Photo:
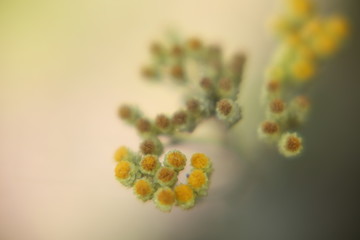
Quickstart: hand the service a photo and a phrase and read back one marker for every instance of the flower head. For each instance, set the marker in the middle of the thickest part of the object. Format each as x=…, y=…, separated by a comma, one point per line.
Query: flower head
x=201, y=161
x=185, y=196
x=143, y=189
x=149, y=164
x=125, y=172
x=164, y=199
x=290, y=144
x=198, y=181
x=166, y=176
x=175, y=160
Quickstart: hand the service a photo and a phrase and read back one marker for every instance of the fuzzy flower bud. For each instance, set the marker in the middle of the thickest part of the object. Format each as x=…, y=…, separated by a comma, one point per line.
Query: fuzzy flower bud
x=175, y=160
x=228, y=111
x=164, y=199
x=125, y=172
x=198, y=181
x=151, y=146
x=290, y=144
x=269, y=130
x=202, y=162
x=149, y=164
x=185, y=196
x=143, y=189
x=166, y=176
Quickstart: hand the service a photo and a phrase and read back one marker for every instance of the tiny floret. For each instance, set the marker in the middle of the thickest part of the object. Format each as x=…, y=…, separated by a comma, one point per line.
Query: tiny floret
x=269, y=130
x=125, y=172
x=198, y=180
x=143, y=189
x=201, y=161
x=166, y=176
x=151, y=146
x=185, y=196
x=228, y=111
x=290, y=144
x=175, y=160
x=149, y=164
x=164, y=199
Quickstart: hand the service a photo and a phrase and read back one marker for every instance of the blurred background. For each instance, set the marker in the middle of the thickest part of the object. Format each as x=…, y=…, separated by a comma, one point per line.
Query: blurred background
x=66, y=66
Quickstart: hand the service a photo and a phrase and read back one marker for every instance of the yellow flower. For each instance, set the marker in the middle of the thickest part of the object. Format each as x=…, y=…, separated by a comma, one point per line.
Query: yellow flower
x=176, y=160
x=198, y=181
x=164, y=199
x=300, y=8
x=337, y=26
x=185, y=196
x=125, y=172
x=143, y=189
x=121, y=153
x=303, y=69
x=201, y=161
x=149, y=164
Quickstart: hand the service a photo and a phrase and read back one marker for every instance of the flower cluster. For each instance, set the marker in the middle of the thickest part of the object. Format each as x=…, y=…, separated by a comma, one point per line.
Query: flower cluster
x=213, y=86
x=152, y=179
x=305, y=40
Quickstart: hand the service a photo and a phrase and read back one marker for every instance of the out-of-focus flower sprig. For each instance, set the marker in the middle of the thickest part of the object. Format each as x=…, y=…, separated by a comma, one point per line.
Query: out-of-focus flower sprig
x=306, y=39
x=212, y=90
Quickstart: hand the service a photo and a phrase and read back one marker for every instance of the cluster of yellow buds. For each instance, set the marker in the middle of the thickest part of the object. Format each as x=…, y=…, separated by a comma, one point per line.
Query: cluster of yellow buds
x=305, y=40
x=152, y=179
x=213, y=86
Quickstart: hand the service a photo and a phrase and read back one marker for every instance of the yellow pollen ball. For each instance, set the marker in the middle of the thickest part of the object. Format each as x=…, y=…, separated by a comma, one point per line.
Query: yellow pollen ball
x=325, y=44
x=176, y=159
x=148, y=163
x=303, y=70
x=199, y=160
x=184, y=193
x=338, y=26
x=166, y=197
x=122, y=170
x=301, y=7
x=197, y=179
x=120, y=153
x=142, y=188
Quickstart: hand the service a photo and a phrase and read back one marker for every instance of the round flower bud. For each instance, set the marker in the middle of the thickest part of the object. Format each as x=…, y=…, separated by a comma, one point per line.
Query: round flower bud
x=164, y=199
x=177, y=73
x=150, y=73
x=149, y=164
x=300, y=9
x=122, y=153
x=228, y=111
x=337, y=26
x=129, y=114
x=290, y=144
x=125, y=172
x=166, y=176
x=226, y=87
x=198, y=181
x=151, y=146
x=185, y=196
x=269, y=130
x=143, y=189
x=201, y=161
x=144, y=127
x=194, y=44
x=163, y=123
x=175, y=160
x=298, y=111
x=277, y=109
x=182, y=121
x=302, y=70
x=198, y=107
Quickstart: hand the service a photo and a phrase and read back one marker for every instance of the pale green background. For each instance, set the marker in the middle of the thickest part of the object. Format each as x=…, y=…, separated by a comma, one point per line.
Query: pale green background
x=65, y=66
